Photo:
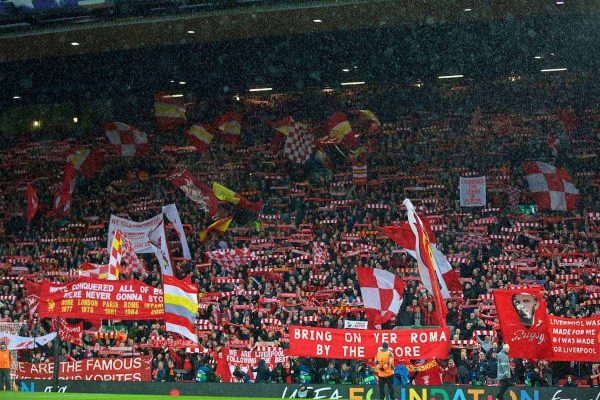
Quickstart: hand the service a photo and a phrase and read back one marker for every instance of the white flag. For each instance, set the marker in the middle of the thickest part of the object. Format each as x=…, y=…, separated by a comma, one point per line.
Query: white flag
x=14, y=342
x=472, y=192
x=158, y=240
x=170, y=210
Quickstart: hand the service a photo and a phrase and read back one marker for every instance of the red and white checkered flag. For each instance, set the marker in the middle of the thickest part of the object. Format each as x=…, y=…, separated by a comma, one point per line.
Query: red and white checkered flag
x=552, y=188
x=299, y=144
x=128, y=141
x=382, y=294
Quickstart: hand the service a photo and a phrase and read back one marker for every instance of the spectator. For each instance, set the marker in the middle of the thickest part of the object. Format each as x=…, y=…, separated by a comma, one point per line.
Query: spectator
x=160, y=374
x=570, y=382
x=595, y=376
x=465, y=366
x=450, y=373
x=330, y=374
x=263, y=374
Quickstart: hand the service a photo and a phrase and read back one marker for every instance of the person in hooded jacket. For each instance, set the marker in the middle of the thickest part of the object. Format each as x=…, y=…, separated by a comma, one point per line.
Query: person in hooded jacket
x=263, y=374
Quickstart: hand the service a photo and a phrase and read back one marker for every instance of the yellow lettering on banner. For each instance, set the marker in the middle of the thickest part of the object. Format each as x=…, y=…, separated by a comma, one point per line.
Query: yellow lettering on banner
x=131, y=304
x=130, y=311
x=66, y=309
x=356, y=393
x=87, y=310
x=475, y=393
x=111, y=304
x=414, y=395
x=67, y=302
x=110, y=311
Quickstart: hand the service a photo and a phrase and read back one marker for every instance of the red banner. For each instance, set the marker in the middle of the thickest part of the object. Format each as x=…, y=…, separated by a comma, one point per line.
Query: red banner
x=92, y=369
x=575, y=339
x=88, y=298
x=246, y=360
x=409, y=344
x=71, y=333
x=524, y=322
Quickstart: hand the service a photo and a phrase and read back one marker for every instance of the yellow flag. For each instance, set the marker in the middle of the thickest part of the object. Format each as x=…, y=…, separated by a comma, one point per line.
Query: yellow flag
x=225, y=194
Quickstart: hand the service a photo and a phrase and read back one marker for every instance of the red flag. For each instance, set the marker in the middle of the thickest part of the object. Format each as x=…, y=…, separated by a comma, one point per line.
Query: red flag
x=72, y=333
x=32, y=202
x=230, y=126
x=198, y=192
x=403, y=236
x=87, y=161
x=62, y=201
x=524, y=322
x=33, y=296
x=169, y=111
x=427, y=263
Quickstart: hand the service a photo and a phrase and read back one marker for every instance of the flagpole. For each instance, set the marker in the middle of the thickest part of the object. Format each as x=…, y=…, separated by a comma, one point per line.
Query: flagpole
x=56, y=372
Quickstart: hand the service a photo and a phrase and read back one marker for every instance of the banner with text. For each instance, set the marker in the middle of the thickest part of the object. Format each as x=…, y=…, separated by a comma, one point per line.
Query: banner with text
x=247, y=360
x=89, y=298
x=472, y=192
x=409, y=344
x=575, y=339
x=135, y=232
x=135, y=369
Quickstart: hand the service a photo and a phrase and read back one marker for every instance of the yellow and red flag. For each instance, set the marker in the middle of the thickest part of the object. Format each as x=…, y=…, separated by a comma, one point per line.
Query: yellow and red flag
x=225, y=194
x=111, y=271
x=169, y=111
x=200, y=136
x=230, y=126
x=220, y=226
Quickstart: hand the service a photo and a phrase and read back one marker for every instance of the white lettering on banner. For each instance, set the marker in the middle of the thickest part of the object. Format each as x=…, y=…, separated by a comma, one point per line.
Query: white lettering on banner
x=386, y=337
x=309, y=334
x=427, y=337
x=352, y=337
x=556, y=396
x=353, y=344
x=353, y=351
x=121, y=369
x=335, y=394
x=538, y=337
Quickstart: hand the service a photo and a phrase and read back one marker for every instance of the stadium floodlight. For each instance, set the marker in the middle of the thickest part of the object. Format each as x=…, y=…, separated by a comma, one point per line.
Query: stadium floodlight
x=317, y=21
x=182, y=82
x=346, y=70
x=16, y=97
x=450, y=76
x=191, y=32
x=176, y=95
x=553, y=70
x=352, y=83
x=74, y=43
x=261, y=89
x=468, y=9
